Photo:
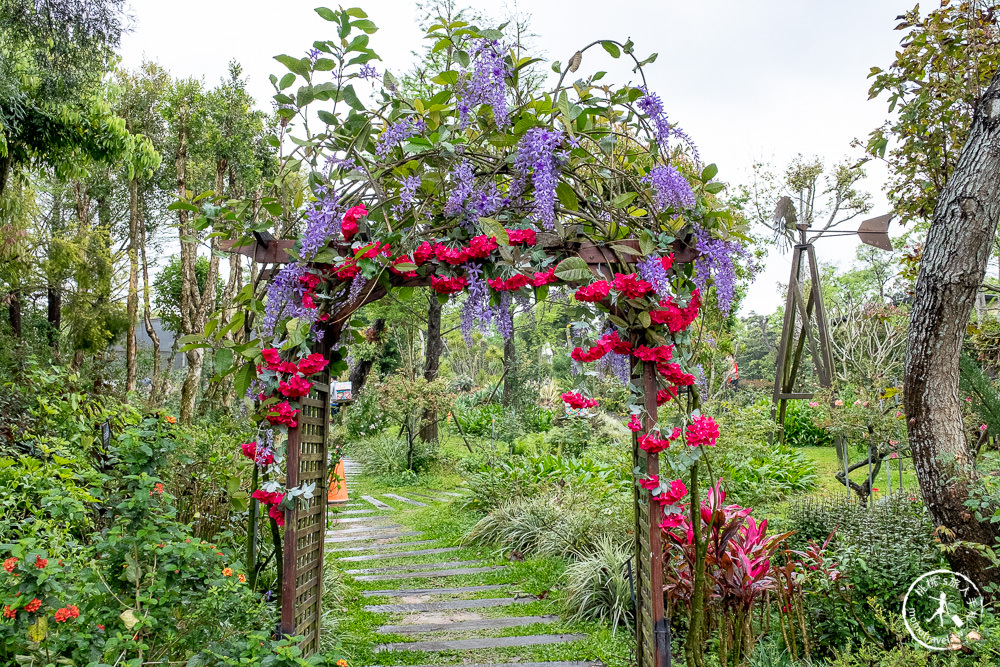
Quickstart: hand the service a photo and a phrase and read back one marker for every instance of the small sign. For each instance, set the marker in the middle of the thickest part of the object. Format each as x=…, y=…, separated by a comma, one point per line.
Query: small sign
x=342, y=391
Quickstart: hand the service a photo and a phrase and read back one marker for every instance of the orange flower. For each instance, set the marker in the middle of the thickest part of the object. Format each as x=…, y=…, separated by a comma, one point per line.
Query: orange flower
x=242, y=577
x=170, y=419
x=227, y=572
x=341, y=663
x=33, y=606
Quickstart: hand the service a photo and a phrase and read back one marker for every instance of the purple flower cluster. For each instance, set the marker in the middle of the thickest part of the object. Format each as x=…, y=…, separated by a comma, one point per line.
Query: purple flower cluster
x=484, y=84
x=651, y=270
x=476, y=311
x=717, y=261
x=463, y=181
x=670, y=188
x=537, y=154
x=503, y=316
x=406, y=195
x=334, y=162
x=322, y=223
x=397, y=132
x=284, y=298
x=368, y=73
x=651, y=105
x=357, y=284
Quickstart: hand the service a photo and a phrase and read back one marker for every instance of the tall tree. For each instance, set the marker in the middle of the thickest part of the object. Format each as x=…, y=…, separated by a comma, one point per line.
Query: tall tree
x=952, y=268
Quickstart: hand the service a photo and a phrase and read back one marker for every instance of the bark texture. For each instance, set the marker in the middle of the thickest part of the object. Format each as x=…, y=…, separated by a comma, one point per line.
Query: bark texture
x=132, y=302
x=951, y=271
x=432, y=362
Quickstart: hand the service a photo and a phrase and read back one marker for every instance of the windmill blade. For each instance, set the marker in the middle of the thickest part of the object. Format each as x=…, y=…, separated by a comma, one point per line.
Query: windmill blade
x=875, y=232
x=783, y=223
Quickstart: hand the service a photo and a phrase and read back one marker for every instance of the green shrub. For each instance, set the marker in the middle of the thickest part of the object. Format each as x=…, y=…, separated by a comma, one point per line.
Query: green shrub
x=801, y=430
x=387, y=456
x=364, y=417
x=597, y=585
x=758, y=473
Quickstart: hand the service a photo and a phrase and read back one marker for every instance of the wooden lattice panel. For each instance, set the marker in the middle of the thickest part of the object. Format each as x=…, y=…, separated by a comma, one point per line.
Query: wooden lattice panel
x=644, y=622
x=302, y=589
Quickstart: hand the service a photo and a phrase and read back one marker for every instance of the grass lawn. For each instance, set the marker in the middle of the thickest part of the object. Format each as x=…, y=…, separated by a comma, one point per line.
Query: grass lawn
x=827, y=465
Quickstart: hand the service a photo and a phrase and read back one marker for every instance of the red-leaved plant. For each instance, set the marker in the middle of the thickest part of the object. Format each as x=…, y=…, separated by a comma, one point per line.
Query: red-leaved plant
x=738, y=565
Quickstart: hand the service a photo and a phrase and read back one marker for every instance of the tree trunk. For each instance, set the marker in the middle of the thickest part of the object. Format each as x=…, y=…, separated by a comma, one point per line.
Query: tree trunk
x=131, y=344
x=510, y=371
x=432, y=362
x=361, y=370
x=951, y=271
x=54, y=315
x=14, y=312
x=147, y=315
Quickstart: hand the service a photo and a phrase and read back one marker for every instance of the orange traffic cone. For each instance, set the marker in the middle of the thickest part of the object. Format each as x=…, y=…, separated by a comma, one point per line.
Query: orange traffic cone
x=338, y=485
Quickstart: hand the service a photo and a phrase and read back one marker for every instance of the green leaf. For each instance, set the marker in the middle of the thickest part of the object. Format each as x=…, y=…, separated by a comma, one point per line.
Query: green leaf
x=573, y=269
x=286, y=81
x=567, y=197
x=491, y=33
x=646, y=243
x=352, y=98
x=715, y=188
x=611, y=48
x=624, y=199
x=365, y=25
x=326, y=13
x=324, y=65
x=709, y=172
x=541, y=293
x=495, y=229
x=298, y=65
x=404, y=293
x=223, y=359
x=327, y=117
x=244, y=376
x=183, y=205
x=405, y=266
x=356, y=12
x=447, y=78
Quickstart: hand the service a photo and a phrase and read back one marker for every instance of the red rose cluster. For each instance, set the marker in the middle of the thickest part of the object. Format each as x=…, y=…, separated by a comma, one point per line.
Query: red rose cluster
x=283, y=413
x=702, y=431
x=349, y=226
x=677, y=491
x=511, y=284
x=448, y=285
x=676, y=318
x=521, y=236
x=577, y=401
x=251, y=452
x=655, y=444
x=272, y=499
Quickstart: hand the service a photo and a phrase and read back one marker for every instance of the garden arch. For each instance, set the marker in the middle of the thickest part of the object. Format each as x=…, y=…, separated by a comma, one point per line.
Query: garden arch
x=307, y=457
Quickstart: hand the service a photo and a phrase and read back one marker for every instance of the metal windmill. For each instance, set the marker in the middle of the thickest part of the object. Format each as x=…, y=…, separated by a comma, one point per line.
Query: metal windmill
x=804, y=306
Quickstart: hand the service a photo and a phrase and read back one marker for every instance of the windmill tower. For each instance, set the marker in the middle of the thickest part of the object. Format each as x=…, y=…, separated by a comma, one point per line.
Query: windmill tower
x=806, y=327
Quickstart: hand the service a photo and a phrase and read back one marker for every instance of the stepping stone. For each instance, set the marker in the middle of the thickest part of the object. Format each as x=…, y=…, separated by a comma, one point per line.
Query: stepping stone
x=457, y=626
x=384, y=547
x=352, y=512
x=484, y=642
x=355, y=519
x=403, y=592
x=364, y=529
x=462, y=495
x=373, y=536
x=404, y=500
x=434, y=498
x=377, y=503
x=394, y=554
x=415, y=567
x=410, y=607
x=424, y=575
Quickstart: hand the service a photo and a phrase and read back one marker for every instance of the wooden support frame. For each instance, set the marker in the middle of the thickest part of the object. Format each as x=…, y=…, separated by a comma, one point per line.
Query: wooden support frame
x=810, y=310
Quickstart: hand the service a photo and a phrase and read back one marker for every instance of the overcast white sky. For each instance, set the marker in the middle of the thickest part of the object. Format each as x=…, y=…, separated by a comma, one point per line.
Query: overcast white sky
x=748, y=81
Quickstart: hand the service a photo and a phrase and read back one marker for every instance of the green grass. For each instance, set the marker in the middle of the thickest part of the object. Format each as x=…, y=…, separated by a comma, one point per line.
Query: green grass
x=827, y=466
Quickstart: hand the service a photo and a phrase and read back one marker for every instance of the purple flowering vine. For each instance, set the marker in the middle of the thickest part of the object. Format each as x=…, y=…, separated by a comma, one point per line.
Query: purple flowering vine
x=485, y=83
x=651, y=105
x=537, y=155
x=402, y=130
x=670, y=189
x=651, y=270
x=717, y=260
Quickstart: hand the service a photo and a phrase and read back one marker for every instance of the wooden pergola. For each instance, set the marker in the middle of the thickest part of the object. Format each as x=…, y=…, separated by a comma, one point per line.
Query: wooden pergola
x=308, y=451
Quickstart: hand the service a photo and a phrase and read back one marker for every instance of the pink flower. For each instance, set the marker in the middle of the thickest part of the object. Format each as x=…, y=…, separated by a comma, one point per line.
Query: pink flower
x=521, y=236
x=968, y=399
x=650, y=483
x=672, y=520
x=295, y=387
x=677, y=491
x=633, y=424
x=577, y=401
x=813, y=404
x=982, y=427
x=702, y=431
x=312, y=364
x=349, y=226
x=285, y=414
x=594, y=292
x=631, y=286
x=544, y=277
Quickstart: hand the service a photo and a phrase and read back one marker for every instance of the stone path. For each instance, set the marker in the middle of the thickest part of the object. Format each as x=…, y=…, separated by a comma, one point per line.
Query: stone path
x=456, y=605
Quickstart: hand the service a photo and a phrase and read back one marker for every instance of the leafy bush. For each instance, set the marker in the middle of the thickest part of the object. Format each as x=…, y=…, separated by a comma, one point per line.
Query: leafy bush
x=759, y=473
x=364, y=417
x=597, y=585
x=801, y=430
x=387, y=456
x=866, y=551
